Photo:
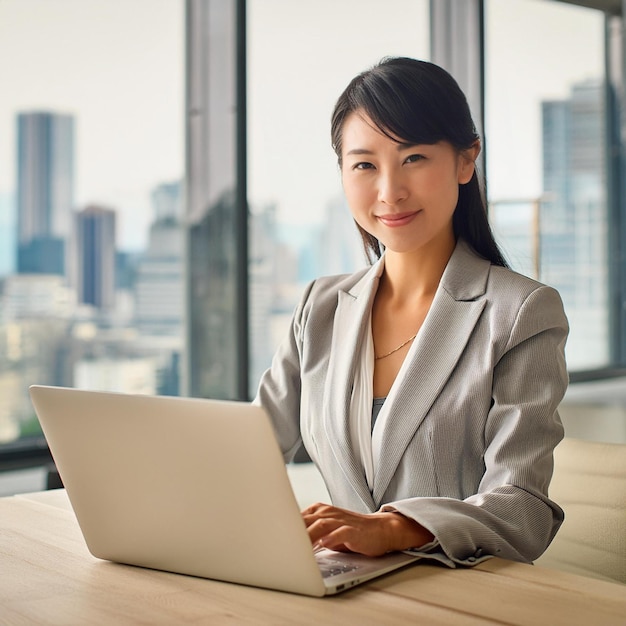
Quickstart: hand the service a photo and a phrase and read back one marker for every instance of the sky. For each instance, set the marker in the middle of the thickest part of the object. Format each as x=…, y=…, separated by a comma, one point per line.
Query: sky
x=118, y=65
x=535, y=50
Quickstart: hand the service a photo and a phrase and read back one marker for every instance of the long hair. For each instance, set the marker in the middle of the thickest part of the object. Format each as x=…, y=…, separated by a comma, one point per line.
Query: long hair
x=420, y=103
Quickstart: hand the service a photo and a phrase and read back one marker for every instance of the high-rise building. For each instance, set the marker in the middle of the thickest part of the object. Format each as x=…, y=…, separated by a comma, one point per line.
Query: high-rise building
x=159, y=281
x=574, y=217
x=95, y=248
x=45, y=191
x=167, y=201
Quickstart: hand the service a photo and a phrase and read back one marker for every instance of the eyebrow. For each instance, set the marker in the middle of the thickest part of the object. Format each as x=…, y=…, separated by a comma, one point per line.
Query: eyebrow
x=401, y=146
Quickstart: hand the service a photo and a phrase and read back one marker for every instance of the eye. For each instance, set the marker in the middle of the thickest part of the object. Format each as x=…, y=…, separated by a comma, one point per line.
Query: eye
x=362, y=165
x=414, y=158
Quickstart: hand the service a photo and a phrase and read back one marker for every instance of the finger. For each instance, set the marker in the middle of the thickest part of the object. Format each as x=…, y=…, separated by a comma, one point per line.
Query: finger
x=320, y=528
x=342, y=540
x=315, y=508
x=335, y=535
x=352, y=531
x=348, y=539
x=320, y=510
x=324, y=511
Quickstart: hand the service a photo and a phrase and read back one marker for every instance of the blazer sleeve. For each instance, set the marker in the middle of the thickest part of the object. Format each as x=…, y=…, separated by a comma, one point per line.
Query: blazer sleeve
x=511, y=515
x=279, y=389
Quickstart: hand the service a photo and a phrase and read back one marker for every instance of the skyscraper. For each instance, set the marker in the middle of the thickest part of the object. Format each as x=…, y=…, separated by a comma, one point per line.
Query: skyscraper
x=167, y=201
x=45, y=190
x=159, y=286
x=95, y=246
x=574, y=217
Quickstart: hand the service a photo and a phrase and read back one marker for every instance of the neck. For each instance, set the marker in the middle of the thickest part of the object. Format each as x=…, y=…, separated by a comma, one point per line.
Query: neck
x=410, y=275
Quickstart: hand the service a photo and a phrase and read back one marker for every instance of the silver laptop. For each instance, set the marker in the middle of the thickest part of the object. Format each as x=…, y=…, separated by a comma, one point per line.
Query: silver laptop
x=191, y=486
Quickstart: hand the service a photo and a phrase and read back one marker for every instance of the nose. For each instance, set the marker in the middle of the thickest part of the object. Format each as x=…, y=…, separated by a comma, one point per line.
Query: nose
x=392, y=188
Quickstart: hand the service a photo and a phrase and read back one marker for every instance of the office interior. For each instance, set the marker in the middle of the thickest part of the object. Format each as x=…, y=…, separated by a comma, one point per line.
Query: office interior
x=166, y=200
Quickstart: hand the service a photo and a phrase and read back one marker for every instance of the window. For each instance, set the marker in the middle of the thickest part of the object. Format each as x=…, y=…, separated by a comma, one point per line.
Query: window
x=91, y=274
x=100, y=270
x=547, y=152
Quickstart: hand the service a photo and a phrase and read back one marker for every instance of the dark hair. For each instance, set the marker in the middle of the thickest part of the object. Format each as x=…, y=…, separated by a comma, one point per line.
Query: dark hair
x=421, y=103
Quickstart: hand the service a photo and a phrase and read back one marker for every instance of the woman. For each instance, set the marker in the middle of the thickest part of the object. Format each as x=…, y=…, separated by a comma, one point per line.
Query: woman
x=425, y=388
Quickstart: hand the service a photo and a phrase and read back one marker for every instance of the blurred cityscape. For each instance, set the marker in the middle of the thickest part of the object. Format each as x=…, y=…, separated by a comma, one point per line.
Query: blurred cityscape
x=75, y=310
x=561, y=237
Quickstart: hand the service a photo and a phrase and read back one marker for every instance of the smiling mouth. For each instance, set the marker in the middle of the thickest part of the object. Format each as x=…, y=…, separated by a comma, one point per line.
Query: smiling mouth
x=397, y=219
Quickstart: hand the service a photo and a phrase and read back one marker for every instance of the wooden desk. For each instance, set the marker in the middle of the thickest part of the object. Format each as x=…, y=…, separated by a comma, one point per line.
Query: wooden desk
x=47, y=576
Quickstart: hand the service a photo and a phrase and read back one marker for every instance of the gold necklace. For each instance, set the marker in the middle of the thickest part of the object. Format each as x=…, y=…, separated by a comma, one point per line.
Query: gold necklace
x=384, y=356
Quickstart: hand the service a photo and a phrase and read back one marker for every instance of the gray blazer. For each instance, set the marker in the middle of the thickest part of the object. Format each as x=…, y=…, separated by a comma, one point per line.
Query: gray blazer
x=467, y=446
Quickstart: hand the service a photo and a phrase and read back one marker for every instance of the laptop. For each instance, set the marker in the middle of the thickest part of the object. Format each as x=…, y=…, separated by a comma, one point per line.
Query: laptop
x=191, y=486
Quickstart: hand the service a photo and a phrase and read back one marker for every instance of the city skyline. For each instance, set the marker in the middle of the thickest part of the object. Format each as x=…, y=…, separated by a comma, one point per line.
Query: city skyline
x=122, y=82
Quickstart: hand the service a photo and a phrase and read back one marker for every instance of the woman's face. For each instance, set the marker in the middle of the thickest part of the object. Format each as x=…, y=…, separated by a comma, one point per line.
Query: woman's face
x=402, y=194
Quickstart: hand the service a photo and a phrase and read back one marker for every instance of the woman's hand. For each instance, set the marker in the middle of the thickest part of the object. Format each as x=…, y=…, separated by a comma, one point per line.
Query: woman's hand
x=372, y=534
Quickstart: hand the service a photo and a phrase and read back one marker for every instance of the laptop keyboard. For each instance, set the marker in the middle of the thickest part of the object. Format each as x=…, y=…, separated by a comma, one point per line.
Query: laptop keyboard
x=332, y=567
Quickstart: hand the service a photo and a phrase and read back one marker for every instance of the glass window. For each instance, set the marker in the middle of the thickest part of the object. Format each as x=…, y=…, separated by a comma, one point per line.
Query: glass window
x=546, y=157
x=301, y=56
x=91, y=162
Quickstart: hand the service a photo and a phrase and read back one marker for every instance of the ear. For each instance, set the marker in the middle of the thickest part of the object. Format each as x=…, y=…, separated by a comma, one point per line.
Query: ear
x=467, y=163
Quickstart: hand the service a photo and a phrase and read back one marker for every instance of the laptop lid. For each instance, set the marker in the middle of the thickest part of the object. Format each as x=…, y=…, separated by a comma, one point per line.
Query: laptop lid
x=186, y=485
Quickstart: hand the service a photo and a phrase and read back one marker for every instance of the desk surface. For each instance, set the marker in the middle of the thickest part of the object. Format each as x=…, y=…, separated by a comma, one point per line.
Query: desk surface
x=48, y=577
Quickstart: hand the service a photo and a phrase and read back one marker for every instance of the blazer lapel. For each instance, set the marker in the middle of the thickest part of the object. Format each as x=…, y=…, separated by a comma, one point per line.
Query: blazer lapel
x=349, y=328
x=444, y=335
